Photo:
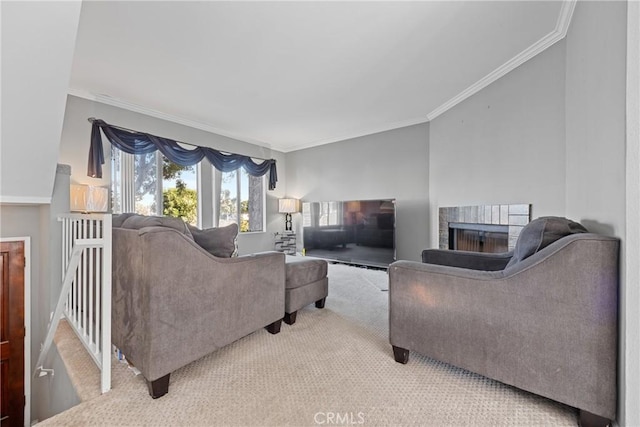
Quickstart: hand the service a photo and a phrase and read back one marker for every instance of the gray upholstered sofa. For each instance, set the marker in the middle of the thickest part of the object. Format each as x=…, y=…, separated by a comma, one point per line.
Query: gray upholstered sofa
x=174, y=302
x=542, y=318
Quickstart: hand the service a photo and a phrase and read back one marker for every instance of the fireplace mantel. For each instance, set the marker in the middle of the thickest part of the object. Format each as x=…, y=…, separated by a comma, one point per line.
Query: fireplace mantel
x=515, y=217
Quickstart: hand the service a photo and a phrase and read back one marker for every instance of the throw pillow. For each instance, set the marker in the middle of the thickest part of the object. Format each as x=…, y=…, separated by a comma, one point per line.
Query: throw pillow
x=219, y=241
x=118, y=219
x=137, y=222
x=540, y=233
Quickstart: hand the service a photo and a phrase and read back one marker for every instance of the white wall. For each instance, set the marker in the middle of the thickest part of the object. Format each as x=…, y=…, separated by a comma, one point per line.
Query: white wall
x=596, y=149
x=630, y=328
x=392, y=164
x=74, y=150
x=38, y=40
x=505, y=144
x=595, y=117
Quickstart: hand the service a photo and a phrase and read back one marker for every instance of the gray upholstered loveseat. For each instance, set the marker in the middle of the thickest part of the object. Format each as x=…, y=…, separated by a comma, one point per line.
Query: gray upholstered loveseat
x=543, y=319
x=174, y=302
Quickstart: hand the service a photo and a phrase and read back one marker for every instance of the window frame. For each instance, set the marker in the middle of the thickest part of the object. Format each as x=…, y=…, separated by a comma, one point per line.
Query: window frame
x=125, y=183
x=217, y=192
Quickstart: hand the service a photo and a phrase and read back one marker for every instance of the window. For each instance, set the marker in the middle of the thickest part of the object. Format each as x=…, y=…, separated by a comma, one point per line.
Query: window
x=137, y=186
x=150, y=184
x=180, y=192
x=241, y=200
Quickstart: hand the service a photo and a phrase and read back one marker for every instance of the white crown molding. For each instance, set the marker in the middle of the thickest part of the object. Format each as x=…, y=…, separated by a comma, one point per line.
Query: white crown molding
x=20, y=200
x=126, y=105
x=564, y=18
x=559, y=32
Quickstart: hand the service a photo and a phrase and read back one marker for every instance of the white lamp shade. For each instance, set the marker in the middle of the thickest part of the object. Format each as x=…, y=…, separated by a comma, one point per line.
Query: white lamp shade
x=287, y=205
x=86, y=198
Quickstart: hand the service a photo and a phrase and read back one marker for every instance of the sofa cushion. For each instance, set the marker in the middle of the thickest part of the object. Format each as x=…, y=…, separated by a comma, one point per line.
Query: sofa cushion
x=219, y=241
x=540, y=233
x=118, y=219
x=137, y=222
x=301, y=271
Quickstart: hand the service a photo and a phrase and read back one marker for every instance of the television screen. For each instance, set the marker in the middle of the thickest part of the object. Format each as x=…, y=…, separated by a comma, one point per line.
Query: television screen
x=360, y=232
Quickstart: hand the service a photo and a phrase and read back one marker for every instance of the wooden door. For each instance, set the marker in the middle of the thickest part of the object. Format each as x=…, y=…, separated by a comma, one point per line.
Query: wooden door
x=12, y=333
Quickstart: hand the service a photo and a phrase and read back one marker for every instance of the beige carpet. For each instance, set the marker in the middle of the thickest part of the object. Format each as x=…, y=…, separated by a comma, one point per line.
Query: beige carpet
x=333, y=367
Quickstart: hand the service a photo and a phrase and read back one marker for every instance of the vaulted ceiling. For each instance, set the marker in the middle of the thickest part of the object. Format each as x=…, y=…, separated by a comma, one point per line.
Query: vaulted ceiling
x=285, y=75
x=290, y=75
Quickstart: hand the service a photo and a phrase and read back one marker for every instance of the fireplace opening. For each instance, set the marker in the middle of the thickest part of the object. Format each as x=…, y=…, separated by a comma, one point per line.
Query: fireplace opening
x=476, y=227
x=492, y=238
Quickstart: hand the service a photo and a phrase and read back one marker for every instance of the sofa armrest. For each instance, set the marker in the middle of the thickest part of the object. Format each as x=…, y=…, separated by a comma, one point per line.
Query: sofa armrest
x=526, y=325
x=464, y=259
x=186, y=303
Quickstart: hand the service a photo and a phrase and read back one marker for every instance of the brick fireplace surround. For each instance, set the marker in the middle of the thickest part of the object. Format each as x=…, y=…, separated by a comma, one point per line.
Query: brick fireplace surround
x=513, y=217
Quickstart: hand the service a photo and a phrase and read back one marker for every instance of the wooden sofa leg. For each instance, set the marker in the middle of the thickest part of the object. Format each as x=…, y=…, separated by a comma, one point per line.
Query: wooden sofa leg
x=159, y=387
x=274, y=327
x=587, y=419
x=320, y=302
x=290, y=318
x=400, y=354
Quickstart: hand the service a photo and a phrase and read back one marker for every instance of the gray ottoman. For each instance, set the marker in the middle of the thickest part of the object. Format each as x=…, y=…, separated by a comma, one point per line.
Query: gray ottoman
x=306, y=282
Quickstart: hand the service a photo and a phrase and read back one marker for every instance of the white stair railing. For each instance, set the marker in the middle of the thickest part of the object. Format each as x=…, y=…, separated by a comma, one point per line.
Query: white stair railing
x=85, y=298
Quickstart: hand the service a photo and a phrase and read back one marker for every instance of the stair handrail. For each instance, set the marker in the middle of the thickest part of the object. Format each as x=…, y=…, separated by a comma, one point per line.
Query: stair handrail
x=86, y=264
x=79, y=246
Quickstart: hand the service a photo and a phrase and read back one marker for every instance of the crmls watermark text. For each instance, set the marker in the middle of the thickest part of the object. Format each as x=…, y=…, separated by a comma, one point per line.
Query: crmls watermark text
x=339, y=418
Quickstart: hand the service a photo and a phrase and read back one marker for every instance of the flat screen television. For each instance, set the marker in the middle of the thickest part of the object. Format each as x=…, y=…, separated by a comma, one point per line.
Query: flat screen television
x=360, y=232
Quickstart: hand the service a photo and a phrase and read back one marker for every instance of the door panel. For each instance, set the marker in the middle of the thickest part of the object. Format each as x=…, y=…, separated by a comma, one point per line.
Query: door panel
x=12, y=332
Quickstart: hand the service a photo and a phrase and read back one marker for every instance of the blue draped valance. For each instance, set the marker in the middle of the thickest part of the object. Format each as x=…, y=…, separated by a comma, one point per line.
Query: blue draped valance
x=133, y=142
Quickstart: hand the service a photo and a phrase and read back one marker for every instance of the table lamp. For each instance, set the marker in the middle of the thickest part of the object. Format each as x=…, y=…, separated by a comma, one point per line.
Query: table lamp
x=287, y=207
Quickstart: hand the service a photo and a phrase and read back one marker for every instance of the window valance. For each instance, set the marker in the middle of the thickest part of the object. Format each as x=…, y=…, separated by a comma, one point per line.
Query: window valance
x=134, y=142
